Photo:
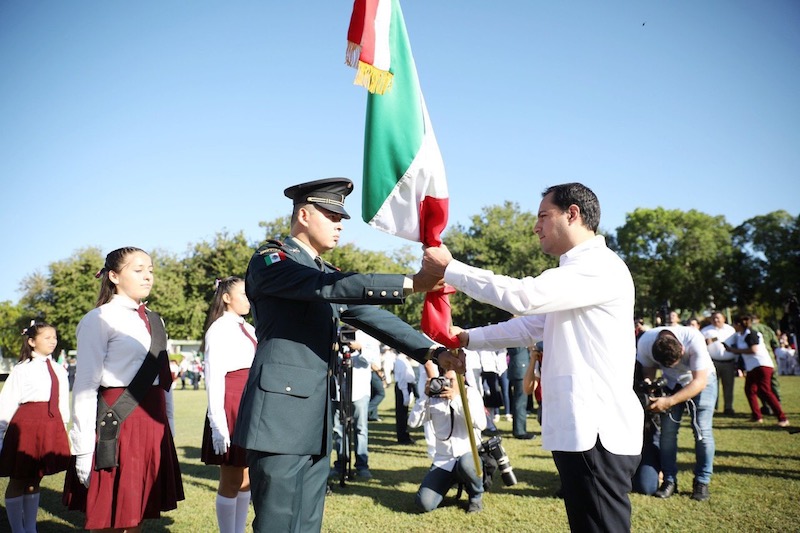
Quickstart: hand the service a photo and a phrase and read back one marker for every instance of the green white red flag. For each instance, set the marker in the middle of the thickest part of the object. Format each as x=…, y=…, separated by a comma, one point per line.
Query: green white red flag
x=405, y=187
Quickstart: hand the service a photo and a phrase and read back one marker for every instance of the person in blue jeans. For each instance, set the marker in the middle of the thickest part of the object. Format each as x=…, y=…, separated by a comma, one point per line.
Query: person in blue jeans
x=681, y=354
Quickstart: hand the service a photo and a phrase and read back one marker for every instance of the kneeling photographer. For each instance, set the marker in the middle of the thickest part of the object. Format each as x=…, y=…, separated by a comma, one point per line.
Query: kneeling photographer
x=691, y=383
x=452, y=461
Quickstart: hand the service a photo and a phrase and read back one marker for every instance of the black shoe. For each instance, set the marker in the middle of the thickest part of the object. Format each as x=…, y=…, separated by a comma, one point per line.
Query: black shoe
x=378, y=419
x=700, y=492
x=405, y=441
x=729, y=412
x=475, y=506
x=765, y=410
x=667, y=489
x=526, y=436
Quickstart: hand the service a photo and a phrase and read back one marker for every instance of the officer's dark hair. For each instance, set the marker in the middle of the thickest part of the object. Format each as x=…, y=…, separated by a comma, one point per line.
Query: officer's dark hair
x=667, y=349
x=31, y=332
x=217, y=308
x=115, y=261
x=568, y=194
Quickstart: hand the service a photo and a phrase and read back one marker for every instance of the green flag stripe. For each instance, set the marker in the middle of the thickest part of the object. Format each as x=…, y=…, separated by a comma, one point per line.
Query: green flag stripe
x=394, y=128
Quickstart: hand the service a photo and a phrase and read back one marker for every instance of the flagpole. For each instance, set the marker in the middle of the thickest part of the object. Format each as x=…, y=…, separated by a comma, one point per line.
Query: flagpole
x=468, y=420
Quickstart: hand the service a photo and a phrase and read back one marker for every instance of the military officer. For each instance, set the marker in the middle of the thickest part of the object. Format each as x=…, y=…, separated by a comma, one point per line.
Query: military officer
x=297, y=302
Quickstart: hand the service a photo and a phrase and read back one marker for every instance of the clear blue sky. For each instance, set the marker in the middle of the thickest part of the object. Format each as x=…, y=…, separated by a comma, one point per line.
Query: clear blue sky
x=159, y=123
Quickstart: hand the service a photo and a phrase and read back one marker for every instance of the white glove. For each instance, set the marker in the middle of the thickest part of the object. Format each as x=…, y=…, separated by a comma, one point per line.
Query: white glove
x=220, y=441
x=83, y=467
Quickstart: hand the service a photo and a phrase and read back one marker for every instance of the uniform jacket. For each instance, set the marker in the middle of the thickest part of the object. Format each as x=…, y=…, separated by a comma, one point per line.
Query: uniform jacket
x=286, y=407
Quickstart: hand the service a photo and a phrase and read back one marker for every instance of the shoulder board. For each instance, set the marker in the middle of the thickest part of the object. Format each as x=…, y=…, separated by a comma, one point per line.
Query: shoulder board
x=331, y=266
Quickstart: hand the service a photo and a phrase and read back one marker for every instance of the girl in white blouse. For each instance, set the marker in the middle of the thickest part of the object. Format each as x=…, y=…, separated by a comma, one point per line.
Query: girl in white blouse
x=229, y=346
x=34, y=410
x=114, y=339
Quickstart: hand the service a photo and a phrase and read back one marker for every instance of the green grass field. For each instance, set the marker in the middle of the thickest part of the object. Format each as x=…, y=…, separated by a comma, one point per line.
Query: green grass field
x=755, y=485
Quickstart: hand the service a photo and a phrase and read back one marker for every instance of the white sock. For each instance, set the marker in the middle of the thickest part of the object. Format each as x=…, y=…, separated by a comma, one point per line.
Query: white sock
x=15, y=514
x=30, y=507
x=242, y=505
x=226, y=514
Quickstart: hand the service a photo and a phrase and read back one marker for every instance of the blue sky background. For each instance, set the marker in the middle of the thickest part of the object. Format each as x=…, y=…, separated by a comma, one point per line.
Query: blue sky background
x=160, y=123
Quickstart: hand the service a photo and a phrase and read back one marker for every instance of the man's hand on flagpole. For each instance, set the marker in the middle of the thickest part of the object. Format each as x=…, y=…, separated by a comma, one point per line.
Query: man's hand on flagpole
x=435, y=260
x=454, y=361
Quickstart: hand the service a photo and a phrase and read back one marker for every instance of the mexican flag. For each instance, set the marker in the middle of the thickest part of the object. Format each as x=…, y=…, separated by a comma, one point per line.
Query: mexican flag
x=404, y=188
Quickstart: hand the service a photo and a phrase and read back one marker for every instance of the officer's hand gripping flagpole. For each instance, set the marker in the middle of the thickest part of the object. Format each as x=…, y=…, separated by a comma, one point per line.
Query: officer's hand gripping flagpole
x=462, y=390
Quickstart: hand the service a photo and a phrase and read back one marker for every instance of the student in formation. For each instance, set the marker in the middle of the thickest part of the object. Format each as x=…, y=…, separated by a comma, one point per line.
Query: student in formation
x=34, y=410
x=125, y=467
x=229, y=346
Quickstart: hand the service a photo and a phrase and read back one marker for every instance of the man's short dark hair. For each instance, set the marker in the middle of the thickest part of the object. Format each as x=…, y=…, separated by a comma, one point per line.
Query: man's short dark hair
x=567, y=194
x=667, y=349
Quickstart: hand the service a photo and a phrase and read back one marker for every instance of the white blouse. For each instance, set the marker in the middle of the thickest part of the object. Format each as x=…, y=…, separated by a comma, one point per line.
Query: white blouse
x=30, y=381
x=227, y=349
x=112, y=343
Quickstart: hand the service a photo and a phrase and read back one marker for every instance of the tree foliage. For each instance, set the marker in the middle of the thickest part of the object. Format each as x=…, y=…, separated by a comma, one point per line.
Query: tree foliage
x=677, y=257
x=766, y=268
x=12, y=323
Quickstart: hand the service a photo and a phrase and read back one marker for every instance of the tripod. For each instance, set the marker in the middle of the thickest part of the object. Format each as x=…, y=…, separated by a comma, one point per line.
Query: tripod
x=346, y=418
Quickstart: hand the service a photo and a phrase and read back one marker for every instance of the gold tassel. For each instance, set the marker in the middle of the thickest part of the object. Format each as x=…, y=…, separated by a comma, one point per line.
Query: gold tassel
x=374, y=80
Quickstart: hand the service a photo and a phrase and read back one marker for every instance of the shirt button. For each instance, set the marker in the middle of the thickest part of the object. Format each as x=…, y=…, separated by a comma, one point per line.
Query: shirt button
x=383, y=293
x=369, y=293
x=395, y=294
x=288, y=389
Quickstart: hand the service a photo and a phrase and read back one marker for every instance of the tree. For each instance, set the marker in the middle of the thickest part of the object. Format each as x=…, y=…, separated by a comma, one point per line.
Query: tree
x=227, y=255
x=12, y=323
x=66, y=294
x=676, y=256
x=766, y=266
x=500, y=239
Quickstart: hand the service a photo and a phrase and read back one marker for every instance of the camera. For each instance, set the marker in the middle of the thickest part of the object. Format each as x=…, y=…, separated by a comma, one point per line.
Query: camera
x=347, y=335
x=437, y=386
x=655, y=389
x=493, y=450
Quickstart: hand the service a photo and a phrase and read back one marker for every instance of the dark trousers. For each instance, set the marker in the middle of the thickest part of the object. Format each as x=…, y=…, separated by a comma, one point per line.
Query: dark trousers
x=519, y=407
x=377, y=394
x=595, y=484
x=288, y=491
x=401, y=414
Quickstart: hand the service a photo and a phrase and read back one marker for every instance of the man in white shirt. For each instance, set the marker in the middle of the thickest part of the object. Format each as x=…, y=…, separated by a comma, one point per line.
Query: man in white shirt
x=583, y=311
x=681, y=354
x=724, y=361
x=453, y=461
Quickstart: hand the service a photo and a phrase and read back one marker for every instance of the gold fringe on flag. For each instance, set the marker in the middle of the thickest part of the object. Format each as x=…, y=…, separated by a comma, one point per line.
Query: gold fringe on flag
x=375, y=80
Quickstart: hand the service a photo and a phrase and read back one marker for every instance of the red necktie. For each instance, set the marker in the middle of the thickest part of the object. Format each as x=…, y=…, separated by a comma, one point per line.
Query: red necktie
x=244, y=330
x=143, y=316
x=52, y=403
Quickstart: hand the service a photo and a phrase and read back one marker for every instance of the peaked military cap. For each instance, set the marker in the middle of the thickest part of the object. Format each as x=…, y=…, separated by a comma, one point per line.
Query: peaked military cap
x=328, y=193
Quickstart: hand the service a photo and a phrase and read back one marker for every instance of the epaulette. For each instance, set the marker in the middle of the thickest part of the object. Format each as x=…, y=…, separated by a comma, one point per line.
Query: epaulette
x=272, y=245
x=331, y=266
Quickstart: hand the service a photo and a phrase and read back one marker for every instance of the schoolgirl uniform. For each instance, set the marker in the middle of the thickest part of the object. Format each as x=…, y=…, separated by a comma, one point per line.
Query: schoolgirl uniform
x=230, y=349
x=113, y=341
x=34, y=408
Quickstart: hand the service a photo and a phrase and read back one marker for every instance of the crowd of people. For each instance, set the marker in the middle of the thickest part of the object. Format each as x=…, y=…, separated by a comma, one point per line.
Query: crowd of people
x=279, y=402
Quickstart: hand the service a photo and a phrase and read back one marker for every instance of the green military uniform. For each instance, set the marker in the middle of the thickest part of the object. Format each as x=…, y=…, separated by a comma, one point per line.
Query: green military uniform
x=285, y=416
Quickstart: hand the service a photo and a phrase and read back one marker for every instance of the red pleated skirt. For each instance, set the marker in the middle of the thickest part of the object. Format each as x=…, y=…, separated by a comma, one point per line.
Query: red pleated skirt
x=35, y=444
x=147, y=480
x=235, y=456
